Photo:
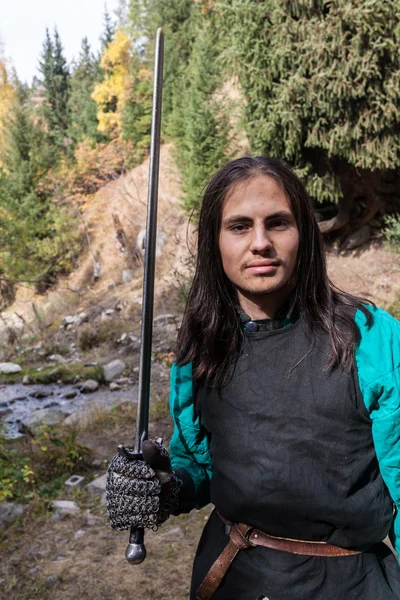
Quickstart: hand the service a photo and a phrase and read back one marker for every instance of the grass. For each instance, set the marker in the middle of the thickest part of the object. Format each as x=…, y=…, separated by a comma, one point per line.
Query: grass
x=52, y=374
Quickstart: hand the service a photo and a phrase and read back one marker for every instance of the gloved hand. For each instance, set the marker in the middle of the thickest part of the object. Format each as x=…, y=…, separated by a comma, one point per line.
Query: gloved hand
x=142, y=493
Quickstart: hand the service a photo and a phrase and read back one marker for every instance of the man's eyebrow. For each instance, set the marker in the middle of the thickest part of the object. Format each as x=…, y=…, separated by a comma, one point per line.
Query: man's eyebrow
x=236, y=219
x=280, y=215
x=245, y=219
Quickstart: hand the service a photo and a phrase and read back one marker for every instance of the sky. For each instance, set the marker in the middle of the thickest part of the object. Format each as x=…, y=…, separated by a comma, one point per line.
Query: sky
x=23, y=27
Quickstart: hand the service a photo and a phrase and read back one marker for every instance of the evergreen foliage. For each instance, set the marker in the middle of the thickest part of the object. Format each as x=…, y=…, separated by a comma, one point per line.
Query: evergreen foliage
x=320, y=80
x=137, y=109
x=56, y=81
x=193, y=117
x=108, y=31
x=35, y=235
x=200, y=123
x=82, y=108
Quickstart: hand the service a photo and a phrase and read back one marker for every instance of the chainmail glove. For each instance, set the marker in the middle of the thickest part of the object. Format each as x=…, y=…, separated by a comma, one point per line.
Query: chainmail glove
x=142, y=493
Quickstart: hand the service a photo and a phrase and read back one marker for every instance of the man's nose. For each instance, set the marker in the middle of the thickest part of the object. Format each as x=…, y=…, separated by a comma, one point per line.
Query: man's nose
x=261, y=241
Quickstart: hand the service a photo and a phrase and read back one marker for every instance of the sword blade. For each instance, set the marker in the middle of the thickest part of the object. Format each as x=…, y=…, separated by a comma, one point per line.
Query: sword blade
x=135, y=552
x=142, y=419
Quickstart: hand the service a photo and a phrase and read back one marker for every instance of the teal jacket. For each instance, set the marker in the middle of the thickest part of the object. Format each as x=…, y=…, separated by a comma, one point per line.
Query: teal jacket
x=377, y=358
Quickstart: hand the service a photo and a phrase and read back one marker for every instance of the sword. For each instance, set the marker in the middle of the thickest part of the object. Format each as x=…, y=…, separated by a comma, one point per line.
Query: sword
x=135, y=552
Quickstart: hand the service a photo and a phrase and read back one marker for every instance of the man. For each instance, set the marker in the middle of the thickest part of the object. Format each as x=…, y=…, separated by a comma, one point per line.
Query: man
x=286, y=403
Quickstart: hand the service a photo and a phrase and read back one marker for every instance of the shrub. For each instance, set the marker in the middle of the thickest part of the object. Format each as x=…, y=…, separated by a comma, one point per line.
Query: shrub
x=40, y=464
x=392, y=231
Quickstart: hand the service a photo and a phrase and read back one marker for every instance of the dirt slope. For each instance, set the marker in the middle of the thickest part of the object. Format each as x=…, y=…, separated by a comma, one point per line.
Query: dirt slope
x=111, y=220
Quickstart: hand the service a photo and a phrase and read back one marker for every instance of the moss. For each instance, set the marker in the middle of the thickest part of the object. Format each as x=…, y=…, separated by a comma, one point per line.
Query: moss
x=64, y=373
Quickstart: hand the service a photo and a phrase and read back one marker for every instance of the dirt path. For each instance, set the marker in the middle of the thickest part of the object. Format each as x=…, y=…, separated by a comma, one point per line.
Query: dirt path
x=81, y=557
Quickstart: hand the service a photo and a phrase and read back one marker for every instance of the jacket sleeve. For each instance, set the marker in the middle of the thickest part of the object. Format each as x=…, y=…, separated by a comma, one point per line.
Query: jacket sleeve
x=189, y=447
x=378, y=365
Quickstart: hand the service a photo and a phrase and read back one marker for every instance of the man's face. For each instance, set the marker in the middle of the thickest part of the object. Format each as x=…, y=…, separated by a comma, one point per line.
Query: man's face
x=259, y=239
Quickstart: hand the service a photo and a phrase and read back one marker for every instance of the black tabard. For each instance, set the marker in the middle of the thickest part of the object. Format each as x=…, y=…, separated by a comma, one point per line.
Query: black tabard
x=291, y=443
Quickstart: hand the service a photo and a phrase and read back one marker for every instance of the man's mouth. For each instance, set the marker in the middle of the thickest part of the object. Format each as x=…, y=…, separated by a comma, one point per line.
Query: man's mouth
x=261, y=266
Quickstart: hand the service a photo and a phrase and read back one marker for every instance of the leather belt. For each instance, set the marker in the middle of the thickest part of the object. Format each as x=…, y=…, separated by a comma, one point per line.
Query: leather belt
x=242, y=537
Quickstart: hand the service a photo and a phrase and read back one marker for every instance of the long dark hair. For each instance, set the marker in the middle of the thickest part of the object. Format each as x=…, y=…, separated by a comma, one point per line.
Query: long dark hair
x=211, y=334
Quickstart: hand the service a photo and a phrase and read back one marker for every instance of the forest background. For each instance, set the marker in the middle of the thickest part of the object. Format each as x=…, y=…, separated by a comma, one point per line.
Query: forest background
x=317, y=83
x=313, y=82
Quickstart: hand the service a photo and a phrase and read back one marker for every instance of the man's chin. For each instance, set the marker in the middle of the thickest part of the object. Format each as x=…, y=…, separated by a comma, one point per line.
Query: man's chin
x=263, y=290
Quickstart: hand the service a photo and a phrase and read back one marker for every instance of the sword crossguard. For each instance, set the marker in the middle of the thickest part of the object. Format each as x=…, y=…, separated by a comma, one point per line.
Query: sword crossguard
x=129, y=453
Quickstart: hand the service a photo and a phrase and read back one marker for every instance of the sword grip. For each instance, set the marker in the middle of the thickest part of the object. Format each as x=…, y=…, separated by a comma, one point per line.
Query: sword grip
x=135, y=552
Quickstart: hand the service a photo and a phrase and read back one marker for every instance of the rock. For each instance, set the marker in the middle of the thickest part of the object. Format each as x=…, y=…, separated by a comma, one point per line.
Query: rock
x=113, y=369
x=123, y=337
x=70, y=320
x=103, y=499
x=44, y=416
x=4, y=412
x=26, y=380
x=356, y=239
x=114, y=387
x=41, y=393
x=140, y=243
x=107, y=314
x=51, y=581
x=82, y=418
x=74, y=481
x=9, y=511
x=164, y=320
x=65, y=507
x=36, y=554
x=60, y=540
x=70, y=394
x=7, y=368
x=89, y=386
x=24, y=429
x=78, y=534
x=58, y=358
x=91, y=520
x=97, y=487
x=127, y=275
x=35, y=570
x=51, y=405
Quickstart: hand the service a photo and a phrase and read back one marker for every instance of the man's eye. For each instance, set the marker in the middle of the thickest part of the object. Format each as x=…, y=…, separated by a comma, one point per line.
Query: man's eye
x=279, y=224
x=238, y=228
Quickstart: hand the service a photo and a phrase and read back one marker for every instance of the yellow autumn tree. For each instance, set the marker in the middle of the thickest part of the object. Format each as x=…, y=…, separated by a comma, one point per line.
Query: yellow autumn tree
x=6, y=99
x=110, y=95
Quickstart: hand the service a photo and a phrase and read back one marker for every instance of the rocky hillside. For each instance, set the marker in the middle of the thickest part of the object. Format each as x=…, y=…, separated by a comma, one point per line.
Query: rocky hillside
x=109, y=271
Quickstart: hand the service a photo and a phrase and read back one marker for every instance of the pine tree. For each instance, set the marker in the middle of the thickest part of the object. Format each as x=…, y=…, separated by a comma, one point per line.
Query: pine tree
x=320, y=83
x=82, y=108
x=37, y=239
x=200, y=123
x=109, y=30
x=56, y=81
x=137, y=108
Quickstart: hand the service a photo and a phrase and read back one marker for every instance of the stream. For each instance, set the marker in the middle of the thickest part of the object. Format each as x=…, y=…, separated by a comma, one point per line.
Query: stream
x=19, y=403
